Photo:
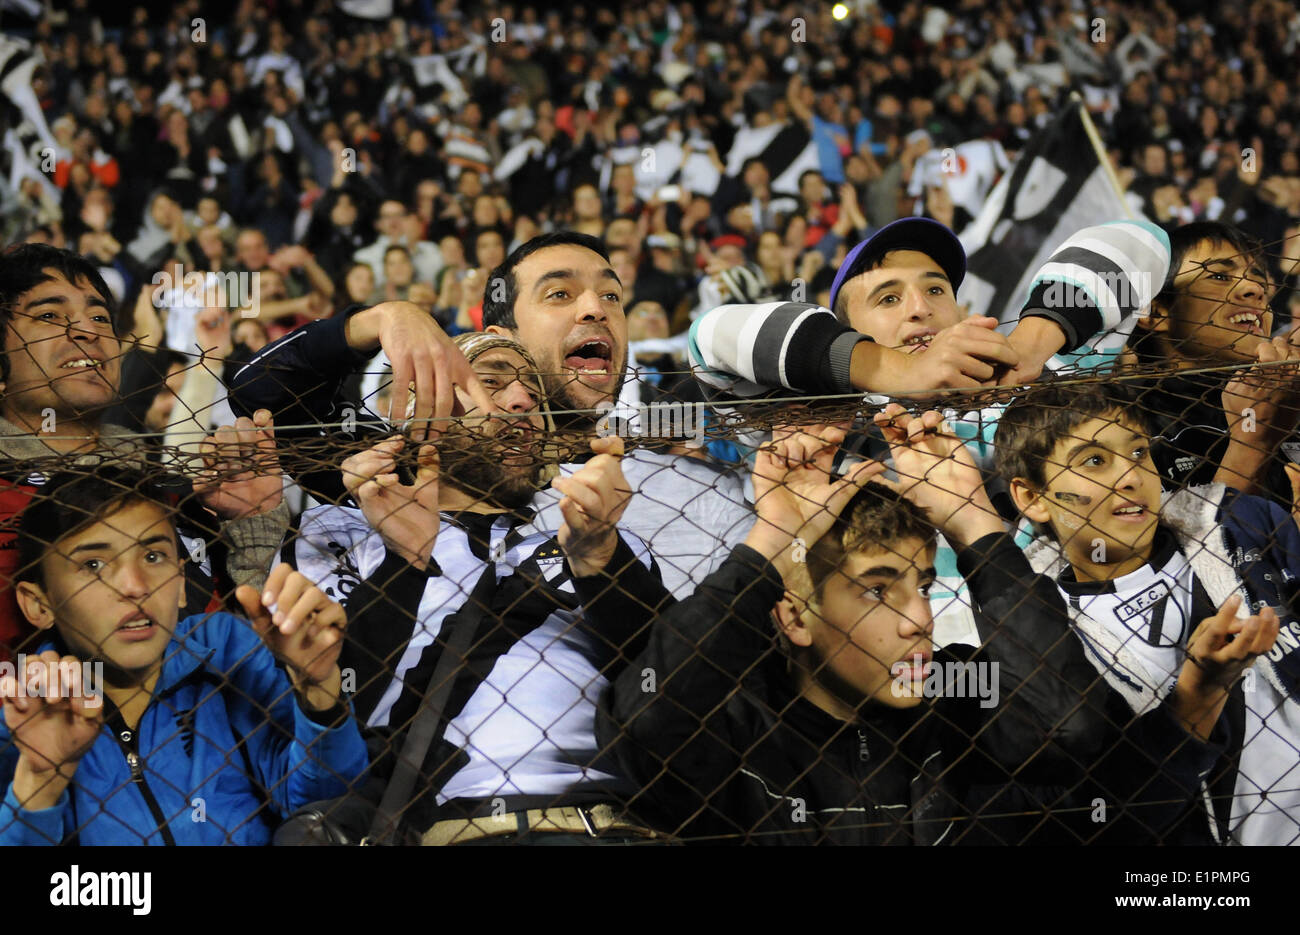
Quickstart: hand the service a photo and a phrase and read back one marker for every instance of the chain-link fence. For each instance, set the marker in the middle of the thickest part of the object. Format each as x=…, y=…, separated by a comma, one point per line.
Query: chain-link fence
x=1061, y=615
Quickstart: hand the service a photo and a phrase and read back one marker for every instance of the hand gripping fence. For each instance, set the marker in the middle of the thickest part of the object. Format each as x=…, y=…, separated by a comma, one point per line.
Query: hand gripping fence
x=1061, y=613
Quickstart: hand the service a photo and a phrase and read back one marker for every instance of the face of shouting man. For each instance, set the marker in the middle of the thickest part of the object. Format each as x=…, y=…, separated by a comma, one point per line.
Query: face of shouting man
x=568, y=314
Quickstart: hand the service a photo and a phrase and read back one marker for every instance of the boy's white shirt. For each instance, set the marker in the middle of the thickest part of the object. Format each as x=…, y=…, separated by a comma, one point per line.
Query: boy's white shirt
x=1266, y=802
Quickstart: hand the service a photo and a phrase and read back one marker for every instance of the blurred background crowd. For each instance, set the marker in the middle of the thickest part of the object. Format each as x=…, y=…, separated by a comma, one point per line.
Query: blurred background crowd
x=363, y=150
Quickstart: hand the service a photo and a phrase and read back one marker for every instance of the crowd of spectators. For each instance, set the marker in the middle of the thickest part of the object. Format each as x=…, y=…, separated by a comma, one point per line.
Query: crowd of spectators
x=372, y=153
x=293, y=138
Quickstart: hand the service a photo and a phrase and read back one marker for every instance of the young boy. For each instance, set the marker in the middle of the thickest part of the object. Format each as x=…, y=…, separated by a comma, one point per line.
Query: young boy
x=1138, y=568
x=863, y=732
x=195, y=735
x=894, y=326
x=1211, y=316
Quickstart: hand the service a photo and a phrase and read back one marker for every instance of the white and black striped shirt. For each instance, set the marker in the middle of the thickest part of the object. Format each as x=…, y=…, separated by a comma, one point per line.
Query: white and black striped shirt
x=520, y=718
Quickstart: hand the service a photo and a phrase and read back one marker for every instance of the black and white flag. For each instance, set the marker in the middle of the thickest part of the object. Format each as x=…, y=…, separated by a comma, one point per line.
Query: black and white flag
x=27, y=137
x=787, y=150
x=1057, y=186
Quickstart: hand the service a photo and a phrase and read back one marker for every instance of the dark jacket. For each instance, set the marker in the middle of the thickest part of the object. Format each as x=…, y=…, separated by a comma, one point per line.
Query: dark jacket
x=727, y=753
x=299, y=379
x=1191, y=432
x=525, y=692
x=538, y=653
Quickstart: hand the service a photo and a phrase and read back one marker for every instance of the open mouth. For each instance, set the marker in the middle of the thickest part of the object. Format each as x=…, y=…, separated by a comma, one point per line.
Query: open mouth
x=516, y=445
x=918, y=342
x=1248, y=321
x=592, y=357
x=1130, y=512
x=82, y=363
x=136, y=626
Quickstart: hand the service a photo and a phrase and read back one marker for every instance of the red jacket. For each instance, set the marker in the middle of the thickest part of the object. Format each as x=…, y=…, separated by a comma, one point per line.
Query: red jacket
x=106, y=173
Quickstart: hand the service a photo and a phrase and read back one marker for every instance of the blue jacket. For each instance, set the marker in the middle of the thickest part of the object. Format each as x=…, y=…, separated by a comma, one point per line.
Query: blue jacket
x=221, y=710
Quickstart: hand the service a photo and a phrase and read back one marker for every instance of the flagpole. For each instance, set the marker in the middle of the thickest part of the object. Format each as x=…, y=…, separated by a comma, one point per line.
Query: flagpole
x=1095, y=138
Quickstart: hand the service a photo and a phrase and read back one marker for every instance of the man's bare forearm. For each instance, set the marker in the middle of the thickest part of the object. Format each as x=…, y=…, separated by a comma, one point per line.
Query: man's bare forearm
x=873, y=367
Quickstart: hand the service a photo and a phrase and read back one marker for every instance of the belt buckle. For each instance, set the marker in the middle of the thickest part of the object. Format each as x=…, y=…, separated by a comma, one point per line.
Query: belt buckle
x=587, y=821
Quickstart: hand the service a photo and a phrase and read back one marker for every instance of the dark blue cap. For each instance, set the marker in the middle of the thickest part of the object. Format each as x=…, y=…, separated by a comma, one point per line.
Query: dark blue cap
x=921, y=234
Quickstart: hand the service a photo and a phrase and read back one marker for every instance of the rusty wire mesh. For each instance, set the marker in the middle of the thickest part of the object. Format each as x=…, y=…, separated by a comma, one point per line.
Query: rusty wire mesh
x=650, y=701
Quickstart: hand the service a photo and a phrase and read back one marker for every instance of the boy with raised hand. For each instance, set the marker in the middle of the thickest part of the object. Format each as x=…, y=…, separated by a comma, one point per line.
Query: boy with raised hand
x=1139, y=568
x=863, y=731
x=1217, y=422
x=196, y=735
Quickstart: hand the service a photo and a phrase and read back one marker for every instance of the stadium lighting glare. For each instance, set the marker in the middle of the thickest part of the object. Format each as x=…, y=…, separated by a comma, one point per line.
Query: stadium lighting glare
x=840, y=10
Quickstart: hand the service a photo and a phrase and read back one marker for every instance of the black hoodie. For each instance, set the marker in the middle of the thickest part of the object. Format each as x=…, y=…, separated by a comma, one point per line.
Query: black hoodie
x=707, y=721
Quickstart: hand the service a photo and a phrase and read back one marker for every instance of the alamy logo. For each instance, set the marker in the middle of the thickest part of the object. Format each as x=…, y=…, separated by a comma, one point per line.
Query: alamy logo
x=75, y=888
x=953, y=679
x=83, y=679
x=657, y=420
x=1128, y=290
x=198, y=290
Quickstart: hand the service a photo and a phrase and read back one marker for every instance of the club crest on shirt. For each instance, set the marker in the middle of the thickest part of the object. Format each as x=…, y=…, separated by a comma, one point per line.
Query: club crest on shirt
x=1164, y=615
x=546, y=557
x=1142, y=602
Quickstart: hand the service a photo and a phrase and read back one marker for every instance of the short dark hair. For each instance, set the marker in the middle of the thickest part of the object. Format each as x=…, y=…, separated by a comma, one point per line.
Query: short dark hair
x=72, y=500
x=841, y=308
x=1031, y=425
x=1184, y=238
x=24, y=267
x=1181, y=241
x=395, y=247
x=876, y=517
x=502, y=313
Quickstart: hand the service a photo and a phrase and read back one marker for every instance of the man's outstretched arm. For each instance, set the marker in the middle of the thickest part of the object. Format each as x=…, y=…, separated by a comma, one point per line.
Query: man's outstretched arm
x=752, y=351
x=298, y=377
